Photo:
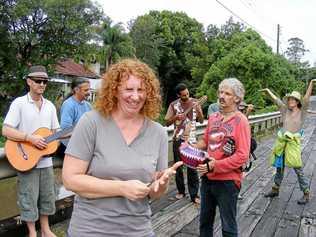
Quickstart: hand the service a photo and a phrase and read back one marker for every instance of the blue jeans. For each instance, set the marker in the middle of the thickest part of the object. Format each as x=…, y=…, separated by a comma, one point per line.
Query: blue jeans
x=302, y=180
x=223, y=194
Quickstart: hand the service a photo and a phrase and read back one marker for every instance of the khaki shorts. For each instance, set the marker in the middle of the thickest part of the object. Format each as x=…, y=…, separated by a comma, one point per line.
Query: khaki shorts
x=36, y=193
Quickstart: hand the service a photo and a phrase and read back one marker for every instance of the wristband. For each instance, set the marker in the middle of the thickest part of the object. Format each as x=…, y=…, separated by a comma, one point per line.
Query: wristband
x=208, y=167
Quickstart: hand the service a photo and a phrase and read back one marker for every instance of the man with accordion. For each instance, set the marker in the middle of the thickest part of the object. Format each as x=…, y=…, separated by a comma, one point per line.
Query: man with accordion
x=227, y=143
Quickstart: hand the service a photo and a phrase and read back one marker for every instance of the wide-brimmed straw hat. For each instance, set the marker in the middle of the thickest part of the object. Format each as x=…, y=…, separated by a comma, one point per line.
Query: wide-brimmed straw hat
x=38, y=71
x=296, y=95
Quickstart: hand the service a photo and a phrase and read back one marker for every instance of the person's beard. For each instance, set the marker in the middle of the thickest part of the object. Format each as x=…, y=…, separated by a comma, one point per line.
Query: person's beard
x=184, y=99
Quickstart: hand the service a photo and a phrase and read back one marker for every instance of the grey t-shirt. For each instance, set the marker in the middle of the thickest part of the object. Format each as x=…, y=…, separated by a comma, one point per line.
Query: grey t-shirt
x=292, y=121
x=99, y=141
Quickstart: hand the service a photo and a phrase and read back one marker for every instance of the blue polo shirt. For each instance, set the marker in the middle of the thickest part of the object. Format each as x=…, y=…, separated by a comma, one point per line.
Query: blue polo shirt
x=71, y=111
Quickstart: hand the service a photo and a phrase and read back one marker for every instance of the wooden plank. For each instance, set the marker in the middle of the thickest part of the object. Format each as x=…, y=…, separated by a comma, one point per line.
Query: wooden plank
x=192, y=229
x=270, y=218
x=173, y=218
x=248, y=221
x=290, y=221
x=308, y=220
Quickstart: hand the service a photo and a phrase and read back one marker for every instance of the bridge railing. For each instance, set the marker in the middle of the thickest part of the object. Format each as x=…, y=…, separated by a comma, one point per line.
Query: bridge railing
x=259, y=123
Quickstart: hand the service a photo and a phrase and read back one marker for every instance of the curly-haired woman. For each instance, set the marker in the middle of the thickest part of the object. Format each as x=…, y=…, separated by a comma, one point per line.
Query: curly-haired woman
x=116, y=159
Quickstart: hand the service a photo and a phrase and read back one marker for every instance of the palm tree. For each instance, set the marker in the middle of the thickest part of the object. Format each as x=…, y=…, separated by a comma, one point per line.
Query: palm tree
x=116, y=43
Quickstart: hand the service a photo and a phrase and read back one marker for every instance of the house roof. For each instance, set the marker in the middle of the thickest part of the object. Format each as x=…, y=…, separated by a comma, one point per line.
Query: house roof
x=69, y=68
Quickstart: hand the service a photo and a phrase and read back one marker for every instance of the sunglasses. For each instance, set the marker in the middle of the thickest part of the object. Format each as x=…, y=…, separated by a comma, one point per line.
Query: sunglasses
x=39, y=81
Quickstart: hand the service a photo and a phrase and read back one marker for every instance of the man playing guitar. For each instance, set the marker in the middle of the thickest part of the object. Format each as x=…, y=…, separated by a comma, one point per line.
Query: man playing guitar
x=36, y=192
x=183, y=113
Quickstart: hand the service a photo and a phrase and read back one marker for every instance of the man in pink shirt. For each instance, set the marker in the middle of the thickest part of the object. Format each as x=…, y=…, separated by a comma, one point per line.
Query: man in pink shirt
x=227, y=141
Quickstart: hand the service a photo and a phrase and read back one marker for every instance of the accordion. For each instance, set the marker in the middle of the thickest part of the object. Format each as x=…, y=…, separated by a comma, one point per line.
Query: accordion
x=191, y=156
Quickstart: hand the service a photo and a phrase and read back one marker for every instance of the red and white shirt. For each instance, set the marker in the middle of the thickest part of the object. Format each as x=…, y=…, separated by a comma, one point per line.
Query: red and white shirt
x=216, y=135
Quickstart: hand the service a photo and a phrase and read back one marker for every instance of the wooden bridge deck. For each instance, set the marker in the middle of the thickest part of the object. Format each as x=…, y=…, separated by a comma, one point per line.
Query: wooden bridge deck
x=257, y=216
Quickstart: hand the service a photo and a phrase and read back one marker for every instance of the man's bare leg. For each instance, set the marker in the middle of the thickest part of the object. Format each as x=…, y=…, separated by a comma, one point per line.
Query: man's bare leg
x=45, y=229
x=31, y=228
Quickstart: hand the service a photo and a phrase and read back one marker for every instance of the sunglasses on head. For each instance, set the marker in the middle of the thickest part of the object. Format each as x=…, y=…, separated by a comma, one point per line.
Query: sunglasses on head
x=39, y=81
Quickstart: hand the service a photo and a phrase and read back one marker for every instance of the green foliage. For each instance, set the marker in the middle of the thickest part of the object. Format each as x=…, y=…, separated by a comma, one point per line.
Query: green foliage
x=147, y=43
x=40, y=32
x=247, y=57
x=173, y=44
x=161, y=118
x=266, y=109
x=116, y=43
x=181, y=46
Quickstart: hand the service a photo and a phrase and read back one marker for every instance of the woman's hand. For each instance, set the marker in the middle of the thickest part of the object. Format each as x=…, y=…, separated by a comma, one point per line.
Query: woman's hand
x=164, y=177
x=135, y=189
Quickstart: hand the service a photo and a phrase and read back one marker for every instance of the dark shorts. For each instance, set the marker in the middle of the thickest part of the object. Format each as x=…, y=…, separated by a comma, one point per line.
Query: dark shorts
x=36, y=193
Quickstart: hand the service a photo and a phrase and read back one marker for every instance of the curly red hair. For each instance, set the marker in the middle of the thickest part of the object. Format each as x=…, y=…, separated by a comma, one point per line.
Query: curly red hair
x=112, y=79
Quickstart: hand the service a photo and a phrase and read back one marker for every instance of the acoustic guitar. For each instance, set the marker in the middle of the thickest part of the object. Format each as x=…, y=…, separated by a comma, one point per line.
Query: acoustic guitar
x=23, y=156
x=180, y=124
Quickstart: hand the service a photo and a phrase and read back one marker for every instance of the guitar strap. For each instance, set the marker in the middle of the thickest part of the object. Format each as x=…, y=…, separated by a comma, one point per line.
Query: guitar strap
x=192, y=133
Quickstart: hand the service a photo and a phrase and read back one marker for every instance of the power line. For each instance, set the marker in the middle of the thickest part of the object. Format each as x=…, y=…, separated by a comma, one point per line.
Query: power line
x=251, y=26
x=258, y=15
x=246, y=5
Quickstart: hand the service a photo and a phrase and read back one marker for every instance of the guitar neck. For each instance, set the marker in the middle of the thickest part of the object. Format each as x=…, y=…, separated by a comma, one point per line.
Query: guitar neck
x=188, y=110
x=58, y=135
x=192, y=106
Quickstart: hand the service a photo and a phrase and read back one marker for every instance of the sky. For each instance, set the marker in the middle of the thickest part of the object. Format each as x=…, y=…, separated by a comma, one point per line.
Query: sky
x=295, y=17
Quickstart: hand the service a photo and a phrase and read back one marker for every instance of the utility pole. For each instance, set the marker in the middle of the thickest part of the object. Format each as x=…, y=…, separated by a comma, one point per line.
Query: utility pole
x=278, y=39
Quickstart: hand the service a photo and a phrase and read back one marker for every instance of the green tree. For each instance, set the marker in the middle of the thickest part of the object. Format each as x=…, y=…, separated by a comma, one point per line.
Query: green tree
x=181, y=44
x=148, y=43
x=41, y=32
x=247, y=57
x=116, y=43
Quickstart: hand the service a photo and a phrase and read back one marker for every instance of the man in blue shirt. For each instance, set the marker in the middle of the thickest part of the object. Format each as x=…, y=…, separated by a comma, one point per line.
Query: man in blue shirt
x=74, y=107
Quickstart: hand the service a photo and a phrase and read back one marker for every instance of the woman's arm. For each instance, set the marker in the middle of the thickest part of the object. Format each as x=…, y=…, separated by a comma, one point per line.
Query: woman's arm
x=75, y=179
x=276, y=100
x=308, y=91
x=270, y=94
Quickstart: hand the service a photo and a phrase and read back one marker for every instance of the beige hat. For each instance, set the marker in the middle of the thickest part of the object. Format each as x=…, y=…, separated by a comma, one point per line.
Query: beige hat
x=38, y=71
x=295, y=95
